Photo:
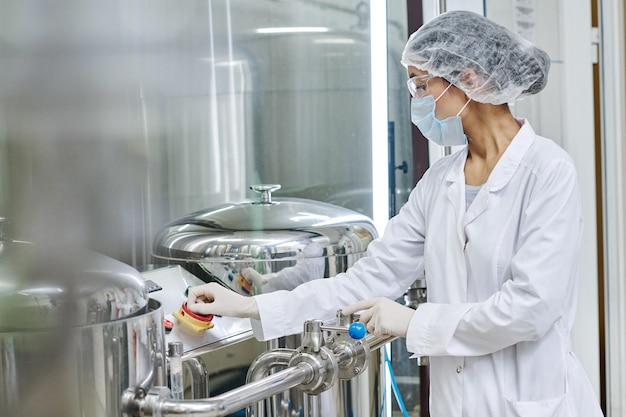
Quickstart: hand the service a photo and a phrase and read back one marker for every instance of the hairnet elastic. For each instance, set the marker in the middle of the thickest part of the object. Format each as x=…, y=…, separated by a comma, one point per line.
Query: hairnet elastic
x=488, y=62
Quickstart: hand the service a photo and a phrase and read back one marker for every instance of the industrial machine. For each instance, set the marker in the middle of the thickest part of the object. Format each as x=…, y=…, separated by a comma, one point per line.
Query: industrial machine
x=314, y=367
x=116, y=340
x=88, y=335
x=286, y=241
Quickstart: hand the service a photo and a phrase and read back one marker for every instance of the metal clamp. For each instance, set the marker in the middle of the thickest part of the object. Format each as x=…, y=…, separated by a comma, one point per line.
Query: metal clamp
x=352, y=355
x=324, y=367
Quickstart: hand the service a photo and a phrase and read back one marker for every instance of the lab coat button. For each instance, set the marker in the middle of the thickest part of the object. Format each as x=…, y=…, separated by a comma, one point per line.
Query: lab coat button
x=459, y=369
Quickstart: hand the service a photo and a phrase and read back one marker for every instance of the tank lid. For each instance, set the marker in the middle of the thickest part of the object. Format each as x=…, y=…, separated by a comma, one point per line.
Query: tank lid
x=42, y=289
x=246, y=227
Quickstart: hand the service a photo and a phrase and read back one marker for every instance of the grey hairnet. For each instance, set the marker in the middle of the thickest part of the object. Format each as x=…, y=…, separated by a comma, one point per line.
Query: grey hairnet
x=488, y=62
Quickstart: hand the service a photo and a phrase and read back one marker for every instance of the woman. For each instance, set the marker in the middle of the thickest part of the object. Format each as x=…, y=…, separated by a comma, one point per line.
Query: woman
x=495, y=226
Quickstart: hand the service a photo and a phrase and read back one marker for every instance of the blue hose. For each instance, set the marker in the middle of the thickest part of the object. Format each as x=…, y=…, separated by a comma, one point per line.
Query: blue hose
x=394, y=388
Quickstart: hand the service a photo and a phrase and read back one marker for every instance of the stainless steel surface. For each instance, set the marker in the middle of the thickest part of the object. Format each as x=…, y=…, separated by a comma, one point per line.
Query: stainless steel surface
x=199, y=376
x=265, y=362
x=359, y=372
x=76, y=329
x=416, y=294
x=201, y=350
x=313, y=372
x=182, y=107
x=46, y=289
x=325, y=369
x=174, y=281
x=175, y=349
x=226, y=403
x=260, y=368
x=312, y=336
x=375, y=342
x=82, y=370
x=313, y=238
x=314, y=406
x=4, y=240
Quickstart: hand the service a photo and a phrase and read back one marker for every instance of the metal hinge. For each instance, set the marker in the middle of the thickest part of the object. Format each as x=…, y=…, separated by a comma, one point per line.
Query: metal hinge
x=595, y=45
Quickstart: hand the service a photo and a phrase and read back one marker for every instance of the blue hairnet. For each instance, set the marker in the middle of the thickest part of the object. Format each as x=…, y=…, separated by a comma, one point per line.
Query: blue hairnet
x=488, y=62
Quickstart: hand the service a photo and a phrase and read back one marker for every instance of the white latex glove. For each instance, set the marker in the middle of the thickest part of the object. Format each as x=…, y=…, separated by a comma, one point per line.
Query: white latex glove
x=215, y=299
x=382, y=316
x=253, y=277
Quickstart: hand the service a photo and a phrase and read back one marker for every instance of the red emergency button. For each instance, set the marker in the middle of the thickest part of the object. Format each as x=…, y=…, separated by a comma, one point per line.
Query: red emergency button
x=192, y=322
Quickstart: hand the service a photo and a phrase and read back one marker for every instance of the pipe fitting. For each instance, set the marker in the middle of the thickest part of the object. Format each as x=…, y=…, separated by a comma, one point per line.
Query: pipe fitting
x=352, y=355
x=324, y=367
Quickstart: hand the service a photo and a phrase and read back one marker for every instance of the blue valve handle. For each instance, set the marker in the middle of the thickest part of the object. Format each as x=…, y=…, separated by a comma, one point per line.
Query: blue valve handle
x=357, y=330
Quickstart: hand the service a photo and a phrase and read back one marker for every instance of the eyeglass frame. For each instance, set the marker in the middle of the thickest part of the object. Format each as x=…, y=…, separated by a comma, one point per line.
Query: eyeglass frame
x=413, y=87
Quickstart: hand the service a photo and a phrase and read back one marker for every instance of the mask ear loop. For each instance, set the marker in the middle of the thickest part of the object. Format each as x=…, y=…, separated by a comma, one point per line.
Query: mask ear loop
x=464, y=106
x=444, y=91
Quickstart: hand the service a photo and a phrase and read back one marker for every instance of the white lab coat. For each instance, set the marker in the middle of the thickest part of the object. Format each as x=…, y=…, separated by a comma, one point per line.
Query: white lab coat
x=502, y=279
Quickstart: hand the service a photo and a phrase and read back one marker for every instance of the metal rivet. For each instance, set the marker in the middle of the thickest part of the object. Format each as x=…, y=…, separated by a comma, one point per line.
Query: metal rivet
x=459, y=369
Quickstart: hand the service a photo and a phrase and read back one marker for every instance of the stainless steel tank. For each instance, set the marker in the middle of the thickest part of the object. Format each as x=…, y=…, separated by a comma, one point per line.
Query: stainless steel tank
x=287, y=241
x=302, y=239
x=76, y=329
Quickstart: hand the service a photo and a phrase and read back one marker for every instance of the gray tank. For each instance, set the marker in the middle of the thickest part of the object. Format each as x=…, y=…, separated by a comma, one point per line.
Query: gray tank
x=76, y=330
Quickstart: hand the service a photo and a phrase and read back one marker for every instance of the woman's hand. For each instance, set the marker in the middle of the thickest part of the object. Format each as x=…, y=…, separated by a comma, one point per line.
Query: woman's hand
x=218, y=300
x=382, y=316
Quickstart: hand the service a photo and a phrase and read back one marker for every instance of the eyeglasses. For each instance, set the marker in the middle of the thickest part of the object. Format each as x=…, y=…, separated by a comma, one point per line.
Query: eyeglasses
x=418, y=85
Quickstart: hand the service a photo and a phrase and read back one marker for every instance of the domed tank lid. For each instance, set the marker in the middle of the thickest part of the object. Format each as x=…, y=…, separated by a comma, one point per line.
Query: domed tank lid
x=246, y=228
x=43, y=289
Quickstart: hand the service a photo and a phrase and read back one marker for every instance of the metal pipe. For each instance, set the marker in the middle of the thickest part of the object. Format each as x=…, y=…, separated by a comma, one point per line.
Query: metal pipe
x=261, y=367
x=376, y=342
x=199, y=377
x=238, y=398
x=274, y=405
x=334, y=328
x=315, y=405
x=157, y=361
x=259, y=386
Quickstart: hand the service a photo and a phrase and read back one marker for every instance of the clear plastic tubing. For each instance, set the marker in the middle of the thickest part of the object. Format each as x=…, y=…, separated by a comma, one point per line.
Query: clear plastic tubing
x=175, y=355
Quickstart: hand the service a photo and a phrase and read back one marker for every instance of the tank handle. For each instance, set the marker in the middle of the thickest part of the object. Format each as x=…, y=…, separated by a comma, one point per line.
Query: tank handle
x=266, y=191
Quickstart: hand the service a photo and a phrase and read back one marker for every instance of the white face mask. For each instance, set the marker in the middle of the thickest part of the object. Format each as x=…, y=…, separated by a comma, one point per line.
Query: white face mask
x=447, y=132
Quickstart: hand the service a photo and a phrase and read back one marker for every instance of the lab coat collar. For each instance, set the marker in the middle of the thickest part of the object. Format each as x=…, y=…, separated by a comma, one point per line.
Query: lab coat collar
x=512, y=157
x=499, y=177
x=506, y=166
